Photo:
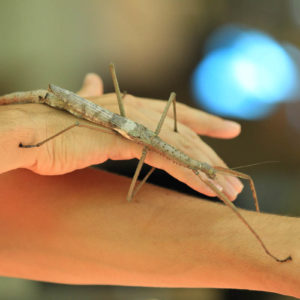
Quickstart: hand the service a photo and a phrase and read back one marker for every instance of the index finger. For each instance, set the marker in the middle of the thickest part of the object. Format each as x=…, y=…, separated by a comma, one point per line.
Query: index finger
x=199, y=121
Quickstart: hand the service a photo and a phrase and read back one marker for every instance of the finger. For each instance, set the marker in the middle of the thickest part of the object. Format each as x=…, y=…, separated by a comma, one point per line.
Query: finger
x=197, y=150
x=199, y=121
x=92, y=86
x=124, y=149
x=186, y=175
x=210, y=125
x=189, y=143
x=232, y=185
x=182, y=174
x=186, y=140
x=204, y=153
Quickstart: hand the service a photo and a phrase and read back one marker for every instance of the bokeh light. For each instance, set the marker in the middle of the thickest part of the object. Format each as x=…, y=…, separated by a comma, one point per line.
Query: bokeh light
x=244, y=74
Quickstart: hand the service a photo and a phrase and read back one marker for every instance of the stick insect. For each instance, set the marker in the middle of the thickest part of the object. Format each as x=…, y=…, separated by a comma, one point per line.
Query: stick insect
x=81, y=108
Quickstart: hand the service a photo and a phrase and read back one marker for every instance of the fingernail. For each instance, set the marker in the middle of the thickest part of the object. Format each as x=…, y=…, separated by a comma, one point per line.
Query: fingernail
x=91, y=74
x=236, y=183
x=231, y=192
x=233, y=187
x=232, y=125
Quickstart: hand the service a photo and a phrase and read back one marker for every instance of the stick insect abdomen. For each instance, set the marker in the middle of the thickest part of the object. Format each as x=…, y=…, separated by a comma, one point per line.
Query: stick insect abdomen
x=141, y=134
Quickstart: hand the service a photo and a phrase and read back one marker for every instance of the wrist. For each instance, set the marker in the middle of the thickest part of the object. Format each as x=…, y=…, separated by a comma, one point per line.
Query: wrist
x=249, y=266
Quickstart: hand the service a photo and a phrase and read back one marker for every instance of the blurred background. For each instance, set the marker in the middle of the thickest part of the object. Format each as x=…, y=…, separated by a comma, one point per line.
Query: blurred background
x=235, y=58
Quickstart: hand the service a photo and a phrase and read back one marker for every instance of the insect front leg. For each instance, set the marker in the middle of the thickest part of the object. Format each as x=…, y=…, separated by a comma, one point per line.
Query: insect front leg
x=117, y=89
x=76, y=124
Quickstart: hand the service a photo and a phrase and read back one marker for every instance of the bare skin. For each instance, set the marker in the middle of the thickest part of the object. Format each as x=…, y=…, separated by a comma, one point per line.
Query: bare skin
x=77, y=228
x=32, y=123
x=158, y=241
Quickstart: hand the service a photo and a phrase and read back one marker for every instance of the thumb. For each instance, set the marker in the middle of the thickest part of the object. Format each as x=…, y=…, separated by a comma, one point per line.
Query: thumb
x=92, y=86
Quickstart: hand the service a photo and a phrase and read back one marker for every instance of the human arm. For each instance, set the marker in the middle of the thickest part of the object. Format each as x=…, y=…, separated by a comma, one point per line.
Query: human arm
x=81, y=147
x=77, y=228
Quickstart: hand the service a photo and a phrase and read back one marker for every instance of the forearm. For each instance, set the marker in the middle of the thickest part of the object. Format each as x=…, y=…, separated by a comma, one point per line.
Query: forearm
x=78, y=228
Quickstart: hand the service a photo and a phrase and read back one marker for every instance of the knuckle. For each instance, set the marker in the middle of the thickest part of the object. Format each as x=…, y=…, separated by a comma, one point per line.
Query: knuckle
x=14, y=116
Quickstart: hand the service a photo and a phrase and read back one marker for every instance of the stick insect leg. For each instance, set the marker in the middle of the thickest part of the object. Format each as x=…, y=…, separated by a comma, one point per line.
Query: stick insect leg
x=132, y=192
x=142, y=182
x=244, y=176
x=224, y=198
x=117, y=89
x=76, y=124
x=136, y=175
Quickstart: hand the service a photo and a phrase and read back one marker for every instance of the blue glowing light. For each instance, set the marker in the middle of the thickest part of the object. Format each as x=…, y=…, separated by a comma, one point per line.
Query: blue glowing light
x=245, y=77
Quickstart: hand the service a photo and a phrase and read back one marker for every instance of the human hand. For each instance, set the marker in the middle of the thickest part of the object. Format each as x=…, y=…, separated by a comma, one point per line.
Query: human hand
x=82, y=147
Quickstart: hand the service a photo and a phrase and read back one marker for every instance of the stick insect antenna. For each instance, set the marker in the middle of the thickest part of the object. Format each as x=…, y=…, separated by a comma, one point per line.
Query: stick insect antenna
x=256, y=164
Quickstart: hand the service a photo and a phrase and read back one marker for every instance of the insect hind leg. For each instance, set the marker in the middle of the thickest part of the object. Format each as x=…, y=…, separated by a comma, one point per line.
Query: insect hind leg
x=226, y=201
